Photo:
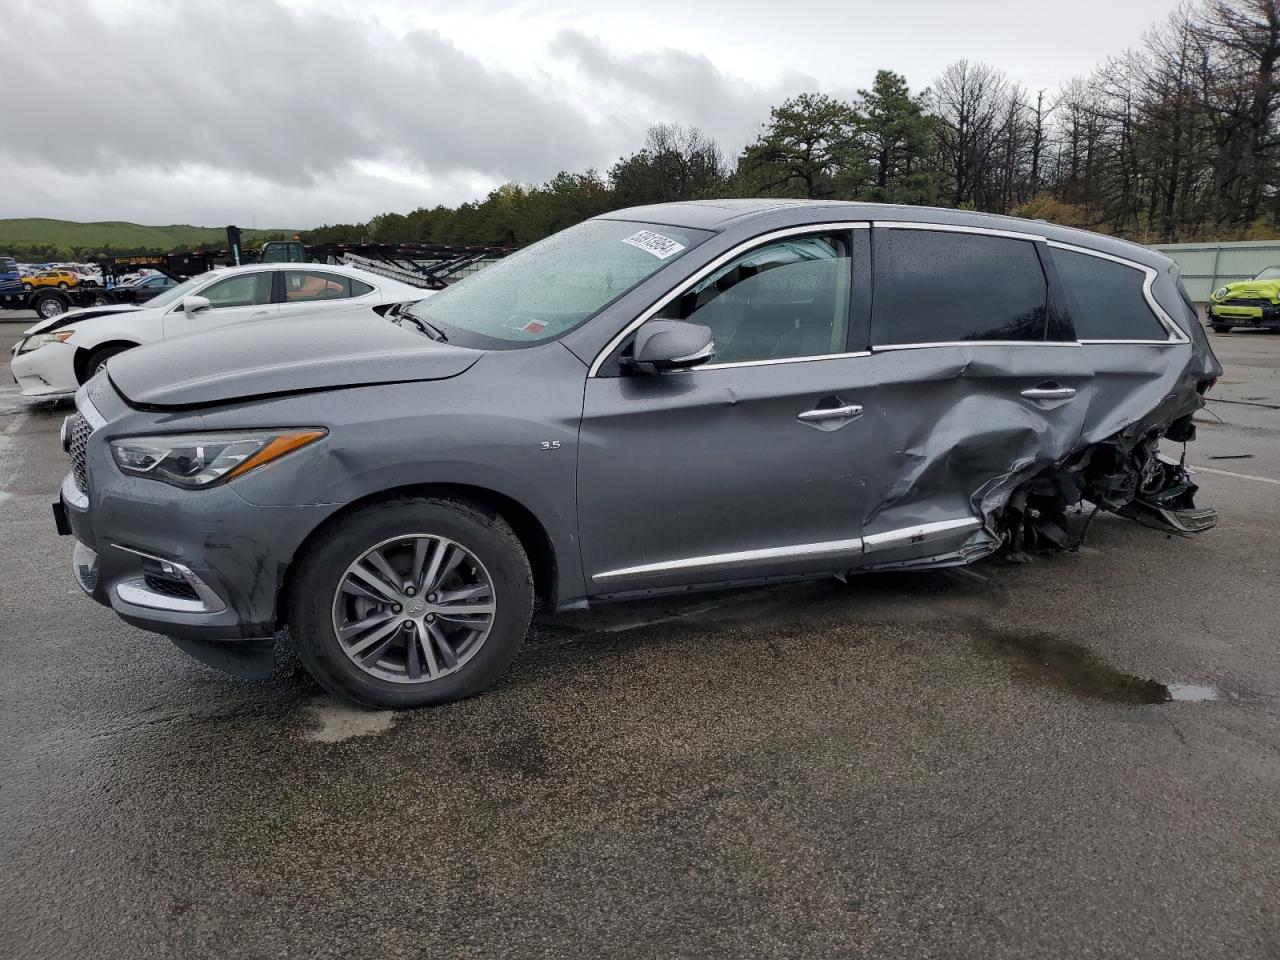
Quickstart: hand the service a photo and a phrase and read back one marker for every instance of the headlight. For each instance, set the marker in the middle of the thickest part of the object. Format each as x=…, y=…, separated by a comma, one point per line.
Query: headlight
x=203, y=459
x=1220, y=293
x=36, y=341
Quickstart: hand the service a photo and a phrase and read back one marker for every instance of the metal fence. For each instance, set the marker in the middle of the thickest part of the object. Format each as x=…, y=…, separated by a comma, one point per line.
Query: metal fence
x=1207, y=266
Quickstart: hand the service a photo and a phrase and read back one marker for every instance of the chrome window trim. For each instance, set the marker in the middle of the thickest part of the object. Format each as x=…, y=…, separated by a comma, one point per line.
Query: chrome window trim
x=975, y=343
x=1175, y=333
x=960, y=228
x=918, y=532
x=704, y=271
x=766, y=363
x=1145, y=343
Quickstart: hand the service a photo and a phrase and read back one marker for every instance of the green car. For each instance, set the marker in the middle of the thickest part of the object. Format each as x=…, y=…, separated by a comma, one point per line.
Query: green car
x=1247, y=303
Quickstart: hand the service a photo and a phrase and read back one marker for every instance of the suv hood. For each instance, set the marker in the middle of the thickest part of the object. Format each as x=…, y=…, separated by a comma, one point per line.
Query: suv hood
x=75, y=316
x=279, y=357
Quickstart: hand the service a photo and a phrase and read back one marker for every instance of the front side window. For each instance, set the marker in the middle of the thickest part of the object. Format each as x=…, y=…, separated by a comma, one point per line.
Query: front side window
x=782, y=300
x=242, y=290
x=1105, y=298
x=935, y=286
x=553, y=286
x=304, y=286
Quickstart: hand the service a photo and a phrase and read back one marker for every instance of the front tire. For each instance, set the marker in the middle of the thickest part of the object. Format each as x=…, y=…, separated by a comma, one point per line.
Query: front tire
x=98, y=359
x=412, y=602
x=1221, y=327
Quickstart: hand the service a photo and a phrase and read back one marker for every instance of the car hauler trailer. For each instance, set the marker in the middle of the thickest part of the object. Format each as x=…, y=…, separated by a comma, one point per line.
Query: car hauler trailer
x=431, y=266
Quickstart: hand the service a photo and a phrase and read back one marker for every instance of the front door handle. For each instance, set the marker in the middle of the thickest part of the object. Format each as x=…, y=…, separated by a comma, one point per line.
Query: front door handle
x=1049, y=393
x=848, y=411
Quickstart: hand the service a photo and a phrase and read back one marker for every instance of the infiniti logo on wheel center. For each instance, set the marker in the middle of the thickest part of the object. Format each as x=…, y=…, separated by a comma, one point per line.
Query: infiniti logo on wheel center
x=416, y=607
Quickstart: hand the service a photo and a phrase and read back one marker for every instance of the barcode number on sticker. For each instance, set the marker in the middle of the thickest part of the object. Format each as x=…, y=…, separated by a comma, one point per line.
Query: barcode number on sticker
x=654, y=243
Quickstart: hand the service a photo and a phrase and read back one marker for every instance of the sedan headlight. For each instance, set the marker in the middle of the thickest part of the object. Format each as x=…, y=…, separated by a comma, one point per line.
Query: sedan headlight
x=38, y=340
x=201, y=460
x=1220, y=293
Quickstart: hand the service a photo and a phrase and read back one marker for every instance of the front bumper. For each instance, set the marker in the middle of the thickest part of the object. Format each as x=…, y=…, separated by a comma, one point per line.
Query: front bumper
x=1252, y=314
x=204, y=568
x=47, y=371
x=152, y=588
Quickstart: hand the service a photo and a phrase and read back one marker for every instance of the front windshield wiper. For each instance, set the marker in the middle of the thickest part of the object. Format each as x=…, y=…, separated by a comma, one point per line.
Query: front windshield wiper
x=401, y=312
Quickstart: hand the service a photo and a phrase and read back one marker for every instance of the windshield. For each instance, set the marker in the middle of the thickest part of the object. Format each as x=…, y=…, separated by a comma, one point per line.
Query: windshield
x=1271, y=273
x=553, y=286
x=174, y=294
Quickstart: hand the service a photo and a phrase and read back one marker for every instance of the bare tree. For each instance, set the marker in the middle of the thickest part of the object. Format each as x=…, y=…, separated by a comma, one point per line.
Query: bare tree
x=971, y=100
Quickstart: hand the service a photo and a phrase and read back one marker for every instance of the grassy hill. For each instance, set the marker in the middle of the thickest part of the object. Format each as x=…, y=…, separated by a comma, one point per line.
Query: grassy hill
x=117, y=236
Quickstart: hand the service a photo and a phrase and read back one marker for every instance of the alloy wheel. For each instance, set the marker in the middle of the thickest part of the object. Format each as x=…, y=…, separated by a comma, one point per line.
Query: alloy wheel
x=414, y=608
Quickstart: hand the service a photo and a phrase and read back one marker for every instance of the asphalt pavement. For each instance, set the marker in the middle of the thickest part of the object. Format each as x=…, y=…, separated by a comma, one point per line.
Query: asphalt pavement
x=982, y=763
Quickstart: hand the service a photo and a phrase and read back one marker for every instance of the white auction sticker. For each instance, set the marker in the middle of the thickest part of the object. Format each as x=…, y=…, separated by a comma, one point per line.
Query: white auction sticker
x=655, y=243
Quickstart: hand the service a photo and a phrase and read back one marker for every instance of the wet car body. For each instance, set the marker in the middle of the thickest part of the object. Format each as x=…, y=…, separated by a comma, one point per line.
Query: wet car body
x=881, y=451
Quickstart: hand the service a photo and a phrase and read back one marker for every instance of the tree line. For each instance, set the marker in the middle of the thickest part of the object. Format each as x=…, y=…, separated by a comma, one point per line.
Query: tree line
x=1176, y=139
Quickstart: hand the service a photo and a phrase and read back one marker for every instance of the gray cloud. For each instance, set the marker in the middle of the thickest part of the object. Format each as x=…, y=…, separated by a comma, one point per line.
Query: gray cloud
x=305, y=111
x=285, y=95
x=676, y=85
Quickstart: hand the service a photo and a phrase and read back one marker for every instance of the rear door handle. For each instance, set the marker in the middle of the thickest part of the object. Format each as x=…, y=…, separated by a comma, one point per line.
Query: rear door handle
x=1049, y=393
x=850, y=411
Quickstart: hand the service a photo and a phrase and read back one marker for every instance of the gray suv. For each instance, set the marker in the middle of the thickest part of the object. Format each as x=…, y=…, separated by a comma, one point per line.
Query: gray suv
x=661, y=399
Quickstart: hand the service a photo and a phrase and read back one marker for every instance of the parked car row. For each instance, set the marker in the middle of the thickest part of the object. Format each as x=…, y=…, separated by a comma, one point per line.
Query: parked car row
x=660, y=399
x=61, y=353
x=70, y=274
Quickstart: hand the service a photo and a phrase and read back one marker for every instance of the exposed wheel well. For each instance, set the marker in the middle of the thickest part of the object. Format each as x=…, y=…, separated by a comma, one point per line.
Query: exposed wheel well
x=532, y=535
x=81, y=360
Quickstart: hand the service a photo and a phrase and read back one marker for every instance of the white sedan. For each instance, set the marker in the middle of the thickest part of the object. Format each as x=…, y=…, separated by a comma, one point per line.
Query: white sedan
x=59, y=354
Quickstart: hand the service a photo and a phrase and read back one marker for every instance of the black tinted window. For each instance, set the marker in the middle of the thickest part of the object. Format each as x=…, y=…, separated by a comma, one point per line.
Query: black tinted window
x=933, y=286
x=359, y=288
x=1105, y=298
x=782, y=300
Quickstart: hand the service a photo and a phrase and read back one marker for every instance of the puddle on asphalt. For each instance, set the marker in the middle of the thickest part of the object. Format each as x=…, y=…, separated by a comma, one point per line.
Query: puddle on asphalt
x=1192, y=692
x=333, y=722
x=1069, y=666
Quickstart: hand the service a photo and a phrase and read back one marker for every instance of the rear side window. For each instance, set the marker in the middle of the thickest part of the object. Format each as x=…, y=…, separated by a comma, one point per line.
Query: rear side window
x=934, y=286
x=359, y=288
x=305, y=286
x=1105, y=298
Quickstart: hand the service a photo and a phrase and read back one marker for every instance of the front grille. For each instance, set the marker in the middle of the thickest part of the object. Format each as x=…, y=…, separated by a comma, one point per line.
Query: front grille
x=1246, y=303
x=78, y=432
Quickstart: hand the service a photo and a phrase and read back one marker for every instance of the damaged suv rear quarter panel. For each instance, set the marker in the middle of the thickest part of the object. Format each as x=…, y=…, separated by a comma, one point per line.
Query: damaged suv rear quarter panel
x=963, y=431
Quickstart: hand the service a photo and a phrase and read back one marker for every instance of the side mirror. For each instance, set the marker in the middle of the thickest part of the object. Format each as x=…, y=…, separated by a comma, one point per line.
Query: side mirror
x=663, y=345
x=195, y=304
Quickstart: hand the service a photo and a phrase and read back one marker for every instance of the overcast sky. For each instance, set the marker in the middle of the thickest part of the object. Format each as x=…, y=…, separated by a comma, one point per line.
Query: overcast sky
x=294, y=113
